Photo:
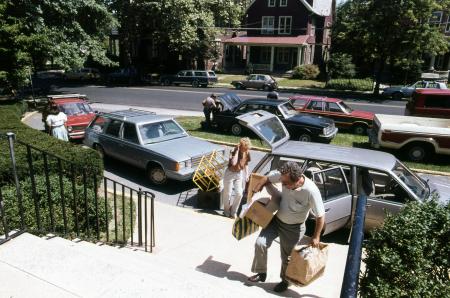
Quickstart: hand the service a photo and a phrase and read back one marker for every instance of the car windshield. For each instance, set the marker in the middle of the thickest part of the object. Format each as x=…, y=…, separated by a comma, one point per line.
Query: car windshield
x=414, y=183
x=160, y=131
x=345, y=107
x=287, y=109
x=75, y=108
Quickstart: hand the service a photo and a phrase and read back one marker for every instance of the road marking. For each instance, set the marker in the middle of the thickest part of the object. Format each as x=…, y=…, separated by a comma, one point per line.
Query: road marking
x=249, y=96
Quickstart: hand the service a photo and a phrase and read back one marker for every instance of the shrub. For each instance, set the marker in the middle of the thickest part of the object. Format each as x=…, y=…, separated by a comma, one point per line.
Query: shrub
x=350, y=84
x=341, y=66
x=306, y=72
x=409, y=255
x=11, y=206
x=10, y=114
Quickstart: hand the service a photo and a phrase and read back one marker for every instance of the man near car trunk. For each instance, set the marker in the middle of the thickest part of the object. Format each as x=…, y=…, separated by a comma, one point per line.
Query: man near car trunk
x=298, y=197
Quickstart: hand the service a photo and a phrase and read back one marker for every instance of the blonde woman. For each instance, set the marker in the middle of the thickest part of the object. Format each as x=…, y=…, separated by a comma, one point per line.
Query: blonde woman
x=235, y=175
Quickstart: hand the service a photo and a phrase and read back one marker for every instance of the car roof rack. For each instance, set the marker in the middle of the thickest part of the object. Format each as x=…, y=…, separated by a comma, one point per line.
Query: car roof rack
x=130, y=113
x=66, y=95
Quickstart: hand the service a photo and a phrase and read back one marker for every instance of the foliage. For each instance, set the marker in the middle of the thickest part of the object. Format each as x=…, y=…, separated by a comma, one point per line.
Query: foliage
x=10, y=122
x=388, y=32
x=350, y=84
x=340, y=66
x=409, y=255
x=306, y=72
x=72, y=209
x=65, y=32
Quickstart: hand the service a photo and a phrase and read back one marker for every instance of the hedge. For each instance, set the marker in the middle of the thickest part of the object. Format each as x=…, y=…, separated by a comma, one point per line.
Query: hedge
x=350, y=84
x=409, y=256
x=10, y=121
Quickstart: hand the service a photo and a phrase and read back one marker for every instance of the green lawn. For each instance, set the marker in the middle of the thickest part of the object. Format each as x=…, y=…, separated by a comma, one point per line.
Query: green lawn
x=192, y=125
x=282, y=82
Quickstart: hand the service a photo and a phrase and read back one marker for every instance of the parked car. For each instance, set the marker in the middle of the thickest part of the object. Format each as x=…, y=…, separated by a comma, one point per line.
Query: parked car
x=343, y=173
x=418, y=137
x=429, y=103
x=123, y=75
x=195, y=78
x=406, y=91
x=302, y=127
x=148, y=141
x=345, y=117
x=78, y=110
x=82, y=74
x=257, y=81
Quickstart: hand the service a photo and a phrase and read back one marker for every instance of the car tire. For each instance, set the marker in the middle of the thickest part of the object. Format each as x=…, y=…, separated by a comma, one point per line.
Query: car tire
x=236, y=129
x=166, y=82
x=397, y=96
x=419, y=152
x=305, y=137
x=266, y=88
x=100, y=151
x=156, y=174
x=359, y=129
x=195, y=84
x=239, y=86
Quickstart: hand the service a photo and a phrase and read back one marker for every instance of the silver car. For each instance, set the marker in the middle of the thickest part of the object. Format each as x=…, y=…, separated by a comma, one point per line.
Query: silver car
x=152, y=142
x=343, y=173
x=406, y=91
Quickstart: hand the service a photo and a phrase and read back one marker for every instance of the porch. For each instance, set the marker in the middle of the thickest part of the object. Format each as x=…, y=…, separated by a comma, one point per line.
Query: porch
x=266, y=54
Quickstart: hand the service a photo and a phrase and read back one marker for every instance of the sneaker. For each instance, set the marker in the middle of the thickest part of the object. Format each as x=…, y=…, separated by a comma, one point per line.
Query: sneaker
x=281, y=287
x=258, y=277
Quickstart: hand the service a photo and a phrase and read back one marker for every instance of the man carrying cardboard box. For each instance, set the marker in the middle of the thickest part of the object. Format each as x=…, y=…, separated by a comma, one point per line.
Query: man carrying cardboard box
x=299, y=196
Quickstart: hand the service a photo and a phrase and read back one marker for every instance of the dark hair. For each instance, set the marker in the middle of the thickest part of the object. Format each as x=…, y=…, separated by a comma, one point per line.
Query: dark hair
x=54, y=110
x=213, y=95
x=292, y=169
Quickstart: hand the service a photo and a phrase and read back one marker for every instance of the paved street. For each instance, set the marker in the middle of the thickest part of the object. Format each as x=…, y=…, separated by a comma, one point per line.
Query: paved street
x=187, y=98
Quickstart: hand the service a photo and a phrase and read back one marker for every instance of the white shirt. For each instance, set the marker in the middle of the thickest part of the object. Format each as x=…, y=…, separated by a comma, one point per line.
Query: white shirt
x=56, y=120
x=295, y=204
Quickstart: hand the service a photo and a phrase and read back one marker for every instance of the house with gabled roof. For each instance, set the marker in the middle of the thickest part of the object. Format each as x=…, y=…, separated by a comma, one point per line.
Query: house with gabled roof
x=280, y=35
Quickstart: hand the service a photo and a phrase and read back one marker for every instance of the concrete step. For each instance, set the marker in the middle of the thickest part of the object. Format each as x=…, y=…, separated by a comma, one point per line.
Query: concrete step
x=89, y=270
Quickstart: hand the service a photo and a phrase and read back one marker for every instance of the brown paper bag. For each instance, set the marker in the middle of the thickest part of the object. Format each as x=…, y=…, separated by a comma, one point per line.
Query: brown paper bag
x=306, y=263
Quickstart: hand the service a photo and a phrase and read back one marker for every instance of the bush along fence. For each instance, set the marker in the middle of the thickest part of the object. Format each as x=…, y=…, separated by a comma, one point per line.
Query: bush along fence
x=45, y=193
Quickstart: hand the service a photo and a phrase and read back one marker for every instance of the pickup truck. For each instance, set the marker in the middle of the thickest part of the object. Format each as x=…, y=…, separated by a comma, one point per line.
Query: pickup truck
x=419, y=137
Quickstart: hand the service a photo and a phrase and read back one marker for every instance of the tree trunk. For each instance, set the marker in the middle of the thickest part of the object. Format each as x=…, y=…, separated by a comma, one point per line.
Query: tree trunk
x=380, y=70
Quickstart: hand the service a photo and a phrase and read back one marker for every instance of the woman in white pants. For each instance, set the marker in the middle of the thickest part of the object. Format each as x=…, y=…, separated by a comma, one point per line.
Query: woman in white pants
x=235, y=177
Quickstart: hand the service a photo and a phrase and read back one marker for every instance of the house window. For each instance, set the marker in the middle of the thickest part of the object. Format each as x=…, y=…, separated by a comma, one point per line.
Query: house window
x=283, y=56
x=285, y=25
x=436, y=18
x=447, y=25
x=265, y=55
x=267, y=25
x=283, y=3
x=271, y=3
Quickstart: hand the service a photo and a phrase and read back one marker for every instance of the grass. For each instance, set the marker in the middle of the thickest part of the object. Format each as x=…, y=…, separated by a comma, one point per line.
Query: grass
x=282, y=82
x=192, y=125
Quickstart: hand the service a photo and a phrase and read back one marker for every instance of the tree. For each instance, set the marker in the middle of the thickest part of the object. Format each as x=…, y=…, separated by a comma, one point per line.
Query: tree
x=340, y=66
x=65, y=32
x=388, y=32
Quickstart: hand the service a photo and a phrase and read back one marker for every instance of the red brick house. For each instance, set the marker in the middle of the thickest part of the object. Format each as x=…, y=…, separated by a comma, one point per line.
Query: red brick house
x=280, y=34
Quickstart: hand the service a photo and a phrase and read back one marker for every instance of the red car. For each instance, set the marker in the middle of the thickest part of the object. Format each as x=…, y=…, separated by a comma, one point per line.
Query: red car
x=344, y=116
x=76, y=107
x=429, y=103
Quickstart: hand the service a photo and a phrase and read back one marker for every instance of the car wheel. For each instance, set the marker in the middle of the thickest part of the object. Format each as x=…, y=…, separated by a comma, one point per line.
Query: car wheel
x=419, y=151
x=359, y=129
x=239, y=86
x=266, y=88
x=156, y=175
x=195, y=84
x=305, y=137
x=100, y=151
x=236, y=129
x=397, y=96
x=166, y=82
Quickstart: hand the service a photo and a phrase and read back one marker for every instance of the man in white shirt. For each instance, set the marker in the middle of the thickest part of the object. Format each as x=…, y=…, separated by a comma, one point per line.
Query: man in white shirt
x=299, y=196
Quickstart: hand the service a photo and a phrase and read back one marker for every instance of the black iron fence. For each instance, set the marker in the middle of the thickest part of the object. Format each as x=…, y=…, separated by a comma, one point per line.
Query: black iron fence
x=48, y=194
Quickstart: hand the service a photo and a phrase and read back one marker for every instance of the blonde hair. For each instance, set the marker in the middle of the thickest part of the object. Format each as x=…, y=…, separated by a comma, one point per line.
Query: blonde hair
x=246, y=142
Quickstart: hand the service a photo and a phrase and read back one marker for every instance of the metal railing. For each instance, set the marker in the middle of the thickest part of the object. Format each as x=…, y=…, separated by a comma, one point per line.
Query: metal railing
x=55, y=196
x=352, y=266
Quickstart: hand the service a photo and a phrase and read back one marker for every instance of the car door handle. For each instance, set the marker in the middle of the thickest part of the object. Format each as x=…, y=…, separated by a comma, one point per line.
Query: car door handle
x=328, y=209
x=368, y=205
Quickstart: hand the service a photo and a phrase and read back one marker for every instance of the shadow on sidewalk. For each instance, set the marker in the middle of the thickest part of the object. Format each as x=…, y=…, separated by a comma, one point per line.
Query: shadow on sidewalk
x=221, y=270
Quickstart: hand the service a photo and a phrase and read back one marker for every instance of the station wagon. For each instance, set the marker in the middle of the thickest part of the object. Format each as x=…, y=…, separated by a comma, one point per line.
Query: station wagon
x=343, y=173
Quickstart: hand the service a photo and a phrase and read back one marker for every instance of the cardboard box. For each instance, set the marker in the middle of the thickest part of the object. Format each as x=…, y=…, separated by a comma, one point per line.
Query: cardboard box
x=259, y=214
x=254, y=179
